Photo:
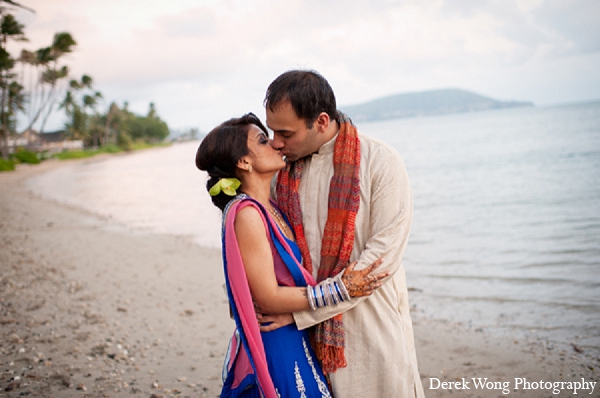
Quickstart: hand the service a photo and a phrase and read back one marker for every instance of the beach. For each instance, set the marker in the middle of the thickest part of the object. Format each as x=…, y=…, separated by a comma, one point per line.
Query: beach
x=91, y=308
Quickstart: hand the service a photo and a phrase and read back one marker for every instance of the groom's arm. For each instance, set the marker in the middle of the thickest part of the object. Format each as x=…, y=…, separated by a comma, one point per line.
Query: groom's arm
x=389, y=225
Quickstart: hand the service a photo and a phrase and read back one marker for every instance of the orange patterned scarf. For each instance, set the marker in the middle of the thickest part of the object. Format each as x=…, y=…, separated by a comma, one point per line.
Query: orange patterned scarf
x=338, y=237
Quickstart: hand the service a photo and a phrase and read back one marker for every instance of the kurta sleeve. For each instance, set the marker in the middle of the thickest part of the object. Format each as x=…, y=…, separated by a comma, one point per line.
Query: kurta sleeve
x=380, y=232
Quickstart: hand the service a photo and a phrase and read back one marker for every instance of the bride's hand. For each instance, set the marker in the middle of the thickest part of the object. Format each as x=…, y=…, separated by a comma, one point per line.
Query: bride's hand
x=361, y=283
x=268, y=323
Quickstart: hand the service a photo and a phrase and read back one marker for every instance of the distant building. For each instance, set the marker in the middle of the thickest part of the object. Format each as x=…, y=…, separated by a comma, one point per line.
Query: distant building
x=52, y=142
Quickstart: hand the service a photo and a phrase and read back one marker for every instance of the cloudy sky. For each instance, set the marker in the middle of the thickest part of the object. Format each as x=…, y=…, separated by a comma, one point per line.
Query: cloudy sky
x=202, y=61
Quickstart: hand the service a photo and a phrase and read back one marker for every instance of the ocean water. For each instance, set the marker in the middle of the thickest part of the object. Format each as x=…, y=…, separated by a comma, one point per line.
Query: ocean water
x=506, y=229
x=157, y=191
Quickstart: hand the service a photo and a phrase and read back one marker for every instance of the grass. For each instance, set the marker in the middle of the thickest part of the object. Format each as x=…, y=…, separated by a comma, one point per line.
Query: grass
x=86, y=153
x=145, y=145
x=24, y=156
x=20, y=156
x=6, y=165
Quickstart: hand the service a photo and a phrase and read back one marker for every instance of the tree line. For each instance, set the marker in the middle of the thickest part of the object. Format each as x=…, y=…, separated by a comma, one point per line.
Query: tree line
x=37, y=83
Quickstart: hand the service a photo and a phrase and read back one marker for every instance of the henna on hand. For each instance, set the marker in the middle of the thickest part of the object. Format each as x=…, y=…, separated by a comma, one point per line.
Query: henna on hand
x=362, y=283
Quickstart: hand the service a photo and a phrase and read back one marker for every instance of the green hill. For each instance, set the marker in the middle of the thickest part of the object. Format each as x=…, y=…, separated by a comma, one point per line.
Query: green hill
x=436, y=102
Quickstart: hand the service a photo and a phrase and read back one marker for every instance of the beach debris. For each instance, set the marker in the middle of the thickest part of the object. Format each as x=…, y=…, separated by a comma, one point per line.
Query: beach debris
x=92, y=318
x=99, y=350
x=62, y=379
x=14, y=338
x=577, y=349
x=83, y=336
x=74, y=287
x=36, y=306
x=12, y=385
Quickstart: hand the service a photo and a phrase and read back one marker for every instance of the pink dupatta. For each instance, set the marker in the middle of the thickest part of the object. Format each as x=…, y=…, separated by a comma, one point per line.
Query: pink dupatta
x=252, y=358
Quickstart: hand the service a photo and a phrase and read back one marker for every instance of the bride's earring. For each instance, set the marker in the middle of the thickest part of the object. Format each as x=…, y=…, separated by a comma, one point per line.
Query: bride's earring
x=249, y=168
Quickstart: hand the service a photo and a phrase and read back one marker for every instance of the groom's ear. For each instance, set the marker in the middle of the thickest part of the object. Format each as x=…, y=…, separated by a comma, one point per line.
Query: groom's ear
x=322, y=122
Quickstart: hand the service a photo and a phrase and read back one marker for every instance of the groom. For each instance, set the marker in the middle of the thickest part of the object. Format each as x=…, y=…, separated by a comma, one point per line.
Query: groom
x=348, y=198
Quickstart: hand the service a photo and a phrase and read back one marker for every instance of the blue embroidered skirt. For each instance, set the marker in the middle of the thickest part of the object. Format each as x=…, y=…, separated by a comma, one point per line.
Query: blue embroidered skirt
x=293, y=365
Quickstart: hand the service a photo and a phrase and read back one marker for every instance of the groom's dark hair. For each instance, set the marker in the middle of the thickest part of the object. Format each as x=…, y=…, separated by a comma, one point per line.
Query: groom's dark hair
x=309, y=94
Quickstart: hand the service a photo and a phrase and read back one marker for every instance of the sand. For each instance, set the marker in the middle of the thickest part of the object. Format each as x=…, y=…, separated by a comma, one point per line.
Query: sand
x=90, y=308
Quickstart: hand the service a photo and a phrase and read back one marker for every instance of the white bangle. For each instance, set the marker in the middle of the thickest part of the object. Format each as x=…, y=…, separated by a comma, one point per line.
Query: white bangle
x=311, y=297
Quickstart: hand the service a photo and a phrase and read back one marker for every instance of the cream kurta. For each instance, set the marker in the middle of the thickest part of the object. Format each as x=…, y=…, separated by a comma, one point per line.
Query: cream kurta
x=380, y=348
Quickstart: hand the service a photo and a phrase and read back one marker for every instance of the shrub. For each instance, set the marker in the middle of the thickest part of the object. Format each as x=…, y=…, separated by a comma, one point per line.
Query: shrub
x=111, y=148
x=6, y=165
x=74, y=154
x=124, y=141
x=25, y=156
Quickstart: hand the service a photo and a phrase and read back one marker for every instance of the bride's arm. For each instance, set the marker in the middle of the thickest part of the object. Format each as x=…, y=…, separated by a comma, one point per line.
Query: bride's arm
x=273, y=299
x=258, y=262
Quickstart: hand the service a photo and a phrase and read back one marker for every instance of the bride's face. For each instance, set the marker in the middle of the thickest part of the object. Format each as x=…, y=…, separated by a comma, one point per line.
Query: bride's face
x=262, y=156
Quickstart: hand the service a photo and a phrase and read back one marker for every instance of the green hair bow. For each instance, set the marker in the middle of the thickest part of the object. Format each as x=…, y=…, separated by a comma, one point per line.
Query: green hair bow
x=227, y=185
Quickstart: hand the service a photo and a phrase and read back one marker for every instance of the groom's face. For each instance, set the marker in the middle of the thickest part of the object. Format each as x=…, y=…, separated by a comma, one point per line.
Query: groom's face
x=290, y=134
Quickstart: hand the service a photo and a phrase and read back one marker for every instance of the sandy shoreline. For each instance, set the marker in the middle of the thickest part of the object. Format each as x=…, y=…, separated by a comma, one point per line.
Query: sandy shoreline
x=90, y=308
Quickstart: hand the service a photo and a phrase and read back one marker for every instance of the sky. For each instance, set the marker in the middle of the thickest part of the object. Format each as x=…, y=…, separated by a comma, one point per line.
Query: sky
x=204, y=61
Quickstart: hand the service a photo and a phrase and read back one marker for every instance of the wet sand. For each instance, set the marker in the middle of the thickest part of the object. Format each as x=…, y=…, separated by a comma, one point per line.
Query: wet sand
x=90, y=308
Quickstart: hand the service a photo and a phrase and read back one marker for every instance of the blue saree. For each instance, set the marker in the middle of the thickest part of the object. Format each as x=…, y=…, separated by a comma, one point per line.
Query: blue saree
x=280, y=363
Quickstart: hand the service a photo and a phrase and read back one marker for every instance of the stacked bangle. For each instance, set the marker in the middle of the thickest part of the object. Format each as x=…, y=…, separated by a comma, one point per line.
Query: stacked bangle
x=331, y=291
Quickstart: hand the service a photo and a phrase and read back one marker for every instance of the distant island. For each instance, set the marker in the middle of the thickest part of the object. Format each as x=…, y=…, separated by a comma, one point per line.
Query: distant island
x=426, y=103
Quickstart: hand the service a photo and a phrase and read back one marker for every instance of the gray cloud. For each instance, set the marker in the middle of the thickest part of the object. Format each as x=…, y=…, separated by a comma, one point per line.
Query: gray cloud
x=197, y=22
x=201, y=64
x=577, y=22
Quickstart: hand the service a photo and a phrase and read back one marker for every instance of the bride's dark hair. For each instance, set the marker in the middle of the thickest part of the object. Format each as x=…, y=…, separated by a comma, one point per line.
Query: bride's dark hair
x=221, y=149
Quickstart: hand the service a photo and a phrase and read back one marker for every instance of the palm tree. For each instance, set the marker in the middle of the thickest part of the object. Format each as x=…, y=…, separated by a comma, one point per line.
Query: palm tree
x=28, y=58
x=11, y=29
x=90, y=101
x=47, y=88
x=51, y=77
x=79, y=125
x=38, y=100
x=62, y=44
x=15, y=103
x=13, y=3
x=112, y=116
